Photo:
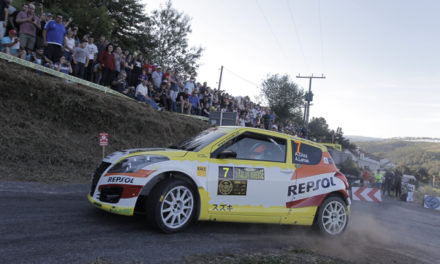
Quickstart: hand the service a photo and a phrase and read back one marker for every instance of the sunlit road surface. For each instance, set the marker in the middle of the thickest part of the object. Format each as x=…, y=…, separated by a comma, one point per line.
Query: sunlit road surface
x=56, y=224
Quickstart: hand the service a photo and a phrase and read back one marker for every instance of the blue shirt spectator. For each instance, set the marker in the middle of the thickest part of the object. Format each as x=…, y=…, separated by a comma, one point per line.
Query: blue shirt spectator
x=55, y=32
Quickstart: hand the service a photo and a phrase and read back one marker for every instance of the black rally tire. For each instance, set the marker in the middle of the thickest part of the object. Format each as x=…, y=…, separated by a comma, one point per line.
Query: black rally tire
x=171, y=206
x=332, y=218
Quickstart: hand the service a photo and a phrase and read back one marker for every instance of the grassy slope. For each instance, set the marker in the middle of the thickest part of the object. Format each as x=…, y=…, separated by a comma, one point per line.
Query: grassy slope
x=49, y=128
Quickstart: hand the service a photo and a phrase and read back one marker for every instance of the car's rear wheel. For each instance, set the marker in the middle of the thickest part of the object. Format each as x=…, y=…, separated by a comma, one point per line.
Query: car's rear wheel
x=171, y=206
x=332, y=216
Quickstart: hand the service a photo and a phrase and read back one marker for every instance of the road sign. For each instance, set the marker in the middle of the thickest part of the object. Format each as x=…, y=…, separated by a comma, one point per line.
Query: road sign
x=366, y=194
x=103, y=139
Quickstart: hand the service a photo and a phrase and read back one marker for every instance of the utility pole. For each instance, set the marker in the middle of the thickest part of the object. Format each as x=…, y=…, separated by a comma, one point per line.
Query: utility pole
x=220, y=80
x=309, y=98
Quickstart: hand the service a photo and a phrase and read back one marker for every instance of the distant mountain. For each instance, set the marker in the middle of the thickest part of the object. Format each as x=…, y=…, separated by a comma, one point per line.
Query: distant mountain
x=417, y=158
x=355, y=139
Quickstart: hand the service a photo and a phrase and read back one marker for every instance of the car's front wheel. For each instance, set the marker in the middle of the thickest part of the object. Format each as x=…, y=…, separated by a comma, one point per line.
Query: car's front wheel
x=171, y=206
x=332, y=216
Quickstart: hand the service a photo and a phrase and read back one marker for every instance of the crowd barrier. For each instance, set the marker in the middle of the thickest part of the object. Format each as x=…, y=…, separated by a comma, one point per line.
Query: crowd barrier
x=366, y=194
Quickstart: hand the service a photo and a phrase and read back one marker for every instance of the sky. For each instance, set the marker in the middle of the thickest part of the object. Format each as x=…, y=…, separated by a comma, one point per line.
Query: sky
x=380, y=58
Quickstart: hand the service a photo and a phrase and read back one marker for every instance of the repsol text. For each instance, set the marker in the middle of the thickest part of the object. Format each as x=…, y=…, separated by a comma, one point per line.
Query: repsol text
x=118, y=179
x=310, y=186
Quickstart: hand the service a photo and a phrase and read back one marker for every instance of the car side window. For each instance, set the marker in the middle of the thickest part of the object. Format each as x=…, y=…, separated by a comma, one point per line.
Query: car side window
x=251, y=146
x=305, y=154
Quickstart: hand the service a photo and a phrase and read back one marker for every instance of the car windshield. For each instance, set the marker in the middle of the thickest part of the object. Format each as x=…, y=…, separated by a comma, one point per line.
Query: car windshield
x=201, y=140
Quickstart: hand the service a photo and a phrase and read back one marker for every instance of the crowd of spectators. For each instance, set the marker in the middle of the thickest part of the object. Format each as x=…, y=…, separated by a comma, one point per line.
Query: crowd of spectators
x=51, y=41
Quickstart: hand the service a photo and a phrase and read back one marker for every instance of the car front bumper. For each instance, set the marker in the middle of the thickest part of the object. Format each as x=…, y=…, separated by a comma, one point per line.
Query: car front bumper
x=111, y=208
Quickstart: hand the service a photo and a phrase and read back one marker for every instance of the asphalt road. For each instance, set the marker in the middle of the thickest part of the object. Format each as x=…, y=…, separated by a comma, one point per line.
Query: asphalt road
x=56, y=224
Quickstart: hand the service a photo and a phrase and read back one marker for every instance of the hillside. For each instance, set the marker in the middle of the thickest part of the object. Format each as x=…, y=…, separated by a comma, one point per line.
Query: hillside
x=413, y=155
x=49, y=128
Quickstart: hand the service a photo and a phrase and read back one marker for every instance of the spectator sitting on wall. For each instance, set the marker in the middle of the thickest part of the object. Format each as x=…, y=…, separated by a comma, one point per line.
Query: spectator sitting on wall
x=80, y=59
x=11, y=45
x=120, y=84
x=28, y=23
x=53, y=37
x=205, y=110
x=142, y=94
x=37, y=57
x=183, y=99
x=63, y=65
x=164, y=94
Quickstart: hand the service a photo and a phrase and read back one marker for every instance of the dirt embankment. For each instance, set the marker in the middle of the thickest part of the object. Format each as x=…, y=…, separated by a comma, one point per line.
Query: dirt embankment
x=49, y=128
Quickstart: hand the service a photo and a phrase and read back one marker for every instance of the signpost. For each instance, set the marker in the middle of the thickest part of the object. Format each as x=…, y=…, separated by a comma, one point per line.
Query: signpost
x=103, y=141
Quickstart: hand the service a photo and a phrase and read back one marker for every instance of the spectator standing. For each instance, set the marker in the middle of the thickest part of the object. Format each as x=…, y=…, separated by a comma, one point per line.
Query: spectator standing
x=175, y=87
x=4, y=13
x=11, y=45
x=118, y=59
x=190, y=85
x=53, y=37
x=129, y=65
x=69, y=45
x=80, y=59
x=108, y=65
x=12, y=17
x=29, y=23
x=92, y=52
x=156, y=77
x=195, y=102
x=137, y=70
x=63, y=65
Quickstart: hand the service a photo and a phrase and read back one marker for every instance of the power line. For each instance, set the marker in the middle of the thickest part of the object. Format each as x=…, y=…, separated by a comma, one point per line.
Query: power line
x=239, y=76
x=270, y=28
x=297, y=34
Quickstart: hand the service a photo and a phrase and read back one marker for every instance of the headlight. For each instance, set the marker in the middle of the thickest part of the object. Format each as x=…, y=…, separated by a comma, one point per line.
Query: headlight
x=135, y=163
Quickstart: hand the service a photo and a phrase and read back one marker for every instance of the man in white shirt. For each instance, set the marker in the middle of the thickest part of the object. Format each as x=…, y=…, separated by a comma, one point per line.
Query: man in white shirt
x=142, y=94
x=92, y=52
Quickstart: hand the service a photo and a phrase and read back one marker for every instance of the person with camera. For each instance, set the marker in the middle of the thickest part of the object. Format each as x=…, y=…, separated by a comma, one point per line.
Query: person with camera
x=28, y=25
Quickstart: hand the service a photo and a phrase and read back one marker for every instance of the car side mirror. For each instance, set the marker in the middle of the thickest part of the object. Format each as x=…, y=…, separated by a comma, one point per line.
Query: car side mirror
x=226, y=154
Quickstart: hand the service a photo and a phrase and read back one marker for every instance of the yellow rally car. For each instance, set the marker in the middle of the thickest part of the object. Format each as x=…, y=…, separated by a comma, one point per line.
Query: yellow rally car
x=233, y=174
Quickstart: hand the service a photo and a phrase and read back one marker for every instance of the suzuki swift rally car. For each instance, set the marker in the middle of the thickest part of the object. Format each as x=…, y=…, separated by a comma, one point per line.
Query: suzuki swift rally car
x=232, y=174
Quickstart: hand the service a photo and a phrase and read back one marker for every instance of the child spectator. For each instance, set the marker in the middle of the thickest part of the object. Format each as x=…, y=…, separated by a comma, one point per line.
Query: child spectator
x=80, y=59
x=63, y=65
x=38, y=56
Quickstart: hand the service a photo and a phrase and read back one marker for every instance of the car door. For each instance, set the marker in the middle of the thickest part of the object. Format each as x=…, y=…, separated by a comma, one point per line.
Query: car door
x=248, y=175
x=313, y=177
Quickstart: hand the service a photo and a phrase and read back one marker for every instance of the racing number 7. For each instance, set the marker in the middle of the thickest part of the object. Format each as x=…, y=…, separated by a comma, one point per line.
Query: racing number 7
x=226, y=169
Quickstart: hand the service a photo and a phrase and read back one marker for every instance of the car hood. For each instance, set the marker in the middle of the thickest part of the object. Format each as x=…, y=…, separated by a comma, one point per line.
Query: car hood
x=115, y=156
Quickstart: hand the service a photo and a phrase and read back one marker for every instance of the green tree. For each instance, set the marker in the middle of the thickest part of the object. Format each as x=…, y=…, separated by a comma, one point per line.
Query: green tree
x=284, y=97
x=318, y=129
x=170, y=29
